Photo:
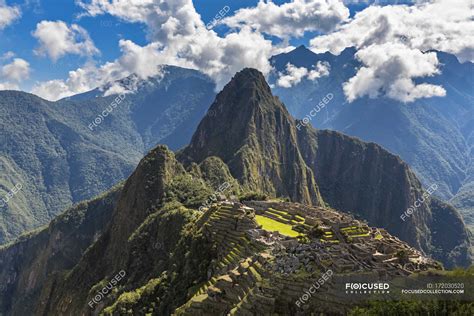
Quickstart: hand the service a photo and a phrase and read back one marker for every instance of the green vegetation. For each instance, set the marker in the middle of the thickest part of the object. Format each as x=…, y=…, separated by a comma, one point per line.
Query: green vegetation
x=282, y=213
x=184, y=267
x=273, y=225
x=438, y=146
x=189, y=191
x=354, y=231
x=216, y=173
x=59, y=161
x=169, y=249
x=299, y=218
x=127, y=300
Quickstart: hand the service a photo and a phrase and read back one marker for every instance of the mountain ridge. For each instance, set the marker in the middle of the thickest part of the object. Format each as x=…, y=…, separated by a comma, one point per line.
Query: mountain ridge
x=319, y=151
x=431, y=135
x=50, y=148
x=156, y=231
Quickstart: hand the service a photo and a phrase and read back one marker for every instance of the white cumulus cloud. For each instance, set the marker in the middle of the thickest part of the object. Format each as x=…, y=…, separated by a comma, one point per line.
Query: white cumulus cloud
x=9, y=86
x=17, y=70
x=14, y=72
x=445, y=25
x=321, y=70
x=178, y=37
x=391, y=40
x=80, y=80
x=294, y=75
x=389, y=70
x=8, y=14
x=57, y=39
x=291, y=19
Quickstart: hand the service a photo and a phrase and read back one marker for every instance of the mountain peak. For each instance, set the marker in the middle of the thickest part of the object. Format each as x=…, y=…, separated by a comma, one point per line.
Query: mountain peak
x=248, y=79
x=245, y=104
x=246, y=95
x=249, y=72
x=253, y=133
x=302, y=48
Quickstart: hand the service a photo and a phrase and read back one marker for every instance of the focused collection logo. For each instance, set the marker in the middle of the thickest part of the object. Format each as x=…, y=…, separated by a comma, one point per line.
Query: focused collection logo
x=367, y=288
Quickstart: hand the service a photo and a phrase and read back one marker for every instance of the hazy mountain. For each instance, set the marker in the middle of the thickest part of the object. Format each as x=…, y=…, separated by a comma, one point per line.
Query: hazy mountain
x=434, y=136
x=174, y=257
x=58, y=156
x=163, y=109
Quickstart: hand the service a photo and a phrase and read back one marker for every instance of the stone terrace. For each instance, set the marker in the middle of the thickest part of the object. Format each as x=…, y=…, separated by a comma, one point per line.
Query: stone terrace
x=258, y=272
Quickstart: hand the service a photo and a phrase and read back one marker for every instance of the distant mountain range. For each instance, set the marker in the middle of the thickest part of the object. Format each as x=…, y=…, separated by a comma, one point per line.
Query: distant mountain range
x=62, y=156
x=434, y=135
x=153, y=232
x=64, y=152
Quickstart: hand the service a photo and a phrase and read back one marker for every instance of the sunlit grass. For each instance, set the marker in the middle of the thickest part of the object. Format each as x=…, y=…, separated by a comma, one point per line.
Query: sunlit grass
x=273, y=225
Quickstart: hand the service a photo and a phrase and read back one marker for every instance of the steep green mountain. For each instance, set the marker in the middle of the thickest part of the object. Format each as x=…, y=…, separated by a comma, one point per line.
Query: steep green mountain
x=171, y=253
x=258, y=144
x=55, y=159
x=262, y=144
x=178, y=250
x=29, y=267
x=52, y=152
x=366, y=180
x=434, y=135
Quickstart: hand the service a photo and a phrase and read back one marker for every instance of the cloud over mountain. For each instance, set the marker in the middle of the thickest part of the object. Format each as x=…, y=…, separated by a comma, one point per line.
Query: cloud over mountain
x=444, y=25
x=291, y=19
x=294, y=75
x=57, y=39
x=177, y=35
x=389, y=70
x=392, y=40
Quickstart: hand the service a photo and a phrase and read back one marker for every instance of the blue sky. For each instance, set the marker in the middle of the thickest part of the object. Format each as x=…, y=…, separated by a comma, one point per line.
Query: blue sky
x=105, y=32
x=113, y=35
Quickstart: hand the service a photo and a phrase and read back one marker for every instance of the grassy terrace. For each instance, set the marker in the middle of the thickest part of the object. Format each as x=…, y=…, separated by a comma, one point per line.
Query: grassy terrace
x=355, y=231
x=273, y=225
x=285, y=215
